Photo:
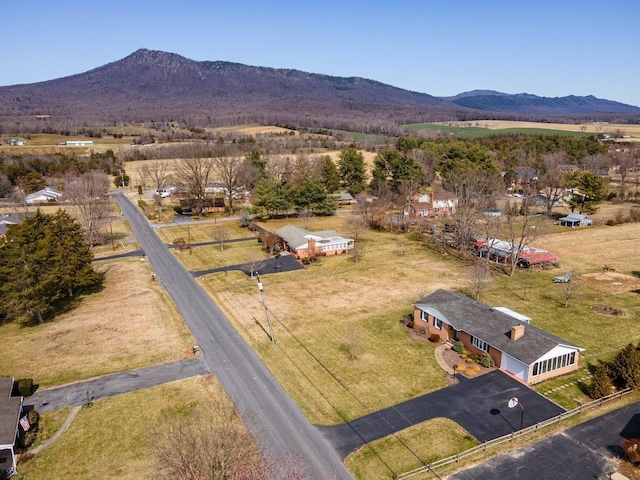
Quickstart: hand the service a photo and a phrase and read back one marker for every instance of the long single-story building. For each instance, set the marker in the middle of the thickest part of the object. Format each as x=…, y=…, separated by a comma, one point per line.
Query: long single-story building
x=301, y=242
x=515, y=345
x=44, y=196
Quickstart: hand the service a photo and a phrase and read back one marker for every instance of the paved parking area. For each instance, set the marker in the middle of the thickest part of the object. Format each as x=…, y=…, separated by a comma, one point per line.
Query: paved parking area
x=478, y=404
x=587, y=451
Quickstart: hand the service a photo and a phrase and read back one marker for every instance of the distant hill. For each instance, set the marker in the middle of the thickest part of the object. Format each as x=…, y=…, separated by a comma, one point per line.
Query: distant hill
x=155, y=85
x=152, y=84
x=525, y=103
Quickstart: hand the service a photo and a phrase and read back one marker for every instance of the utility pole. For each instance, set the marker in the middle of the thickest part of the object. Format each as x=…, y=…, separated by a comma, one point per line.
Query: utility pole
x=188, y=239
x=113, y=247
x=266, y=310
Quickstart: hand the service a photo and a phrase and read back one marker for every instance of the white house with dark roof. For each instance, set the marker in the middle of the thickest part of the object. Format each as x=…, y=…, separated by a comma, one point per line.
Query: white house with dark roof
x=515, y=345
x=300, y=242
x=7, y=219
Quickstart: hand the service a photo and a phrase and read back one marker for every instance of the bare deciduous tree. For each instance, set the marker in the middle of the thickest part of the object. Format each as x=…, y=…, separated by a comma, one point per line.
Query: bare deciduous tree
x=352, y=341
x=221, y=236
x=254, y=261
x=158, y=173
x=479, y=276
x=211, y=444
x=520, y=230
x=475, y=191
x=552, y=183
x=598, y=163
x=358, y=251
x=5, y=186
x=229, y=170
x=306, y=217
x=91, y=206
x=569, y=289
x=355, y=226
x=193, y=173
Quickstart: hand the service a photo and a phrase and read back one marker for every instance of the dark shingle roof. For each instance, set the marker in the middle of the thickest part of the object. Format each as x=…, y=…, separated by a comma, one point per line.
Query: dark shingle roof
x=492, y=326
x=10, y=409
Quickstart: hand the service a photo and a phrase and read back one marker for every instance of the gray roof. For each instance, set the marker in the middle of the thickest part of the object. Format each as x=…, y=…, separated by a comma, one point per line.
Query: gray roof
x=10, y=409
x=574, y=217
x=7, y=219
x=491, y=326
x=295, y=236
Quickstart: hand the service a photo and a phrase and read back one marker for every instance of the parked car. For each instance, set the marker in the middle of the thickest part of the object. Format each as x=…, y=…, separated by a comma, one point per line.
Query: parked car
x=566, y=278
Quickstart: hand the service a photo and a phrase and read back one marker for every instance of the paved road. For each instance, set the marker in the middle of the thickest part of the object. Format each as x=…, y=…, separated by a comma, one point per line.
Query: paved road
x=587, y=451
x=75, y=394
x=478, y=404
x=246, y=380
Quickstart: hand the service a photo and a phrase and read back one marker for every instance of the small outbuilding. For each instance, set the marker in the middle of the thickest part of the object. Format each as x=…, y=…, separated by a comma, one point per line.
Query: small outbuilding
x=576, y=220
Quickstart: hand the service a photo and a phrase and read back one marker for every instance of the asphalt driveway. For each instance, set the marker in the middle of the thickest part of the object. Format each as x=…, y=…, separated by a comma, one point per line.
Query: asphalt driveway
x=479, y=405
x=587, y=451
x=284, y=263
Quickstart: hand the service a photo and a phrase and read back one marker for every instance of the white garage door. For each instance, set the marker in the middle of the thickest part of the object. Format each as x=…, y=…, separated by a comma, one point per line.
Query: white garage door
x=514, y=367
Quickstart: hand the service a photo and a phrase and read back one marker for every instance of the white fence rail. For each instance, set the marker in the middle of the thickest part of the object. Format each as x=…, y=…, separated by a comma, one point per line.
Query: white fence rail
x=430, y=467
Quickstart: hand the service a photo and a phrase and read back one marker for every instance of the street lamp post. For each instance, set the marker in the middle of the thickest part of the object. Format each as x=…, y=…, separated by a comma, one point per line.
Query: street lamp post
x=266, y=310
x=512, y=403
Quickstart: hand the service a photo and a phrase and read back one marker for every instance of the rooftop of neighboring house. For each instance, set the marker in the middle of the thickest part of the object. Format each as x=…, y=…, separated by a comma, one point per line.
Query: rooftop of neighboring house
x=10, y=409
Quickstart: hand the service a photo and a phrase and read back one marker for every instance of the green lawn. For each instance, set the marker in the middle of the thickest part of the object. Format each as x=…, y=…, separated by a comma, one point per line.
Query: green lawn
x=476, y=132
x=409, y=449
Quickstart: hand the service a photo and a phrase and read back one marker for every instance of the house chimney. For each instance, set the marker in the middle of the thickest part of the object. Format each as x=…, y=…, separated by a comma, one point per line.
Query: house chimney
x=517, y=331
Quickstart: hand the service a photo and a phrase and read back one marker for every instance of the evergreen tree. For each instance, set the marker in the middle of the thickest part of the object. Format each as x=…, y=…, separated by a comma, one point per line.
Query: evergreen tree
x=32, y=182
x=43, y=262
x=329, y=174
x=352, y=170
x=601, y=384
x=270, y=196
x=591, y=191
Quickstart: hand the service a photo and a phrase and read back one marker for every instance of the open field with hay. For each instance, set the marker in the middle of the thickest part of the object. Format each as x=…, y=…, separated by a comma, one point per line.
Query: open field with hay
x=109, y=331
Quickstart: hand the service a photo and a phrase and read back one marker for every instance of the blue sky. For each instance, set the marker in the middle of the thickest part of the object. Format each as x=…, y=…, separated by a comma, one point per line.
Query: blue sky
x=548, y=48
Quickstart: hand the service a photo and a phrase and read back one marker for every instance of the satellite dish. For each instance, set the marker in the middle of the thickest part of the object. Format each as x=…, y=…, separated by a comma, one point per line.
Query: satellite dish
x=513, y=402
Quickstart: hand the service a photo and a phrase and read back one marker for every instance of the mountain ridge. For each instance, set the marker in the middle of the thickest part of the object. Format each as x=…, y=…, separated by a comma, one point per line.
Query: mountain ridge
x=149, y=84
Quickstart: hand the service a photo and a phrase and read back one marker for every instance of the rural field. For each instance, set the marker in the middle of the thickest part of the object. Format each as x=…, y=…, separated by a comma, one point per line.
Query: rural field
x=109, y=331
x=481, y=128
x=315, y=312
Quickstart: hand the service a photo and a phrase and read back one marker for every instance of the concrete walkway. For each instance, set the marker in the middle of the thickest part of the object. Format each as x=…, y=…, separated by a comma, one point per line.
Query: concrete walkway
x=439, y=353
x=58, y=434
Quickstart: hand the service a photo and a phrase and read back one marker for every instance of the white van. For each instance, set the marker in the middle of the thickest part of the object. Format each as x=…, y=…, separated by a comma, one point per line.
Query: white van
x=164, y=193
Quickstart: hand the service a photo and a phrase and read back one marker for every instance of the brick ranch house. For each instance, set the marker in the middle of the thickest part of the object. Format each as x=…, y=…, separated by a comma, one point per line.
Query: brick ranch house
x=299, y=241
x=516, y=347
x=433, y=205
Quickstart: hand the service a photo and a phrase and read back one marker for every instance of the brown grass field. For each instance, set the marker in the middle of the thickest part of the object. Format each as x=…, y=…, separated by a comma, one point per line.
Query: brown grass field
x=108, y=332
x=112, y=440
